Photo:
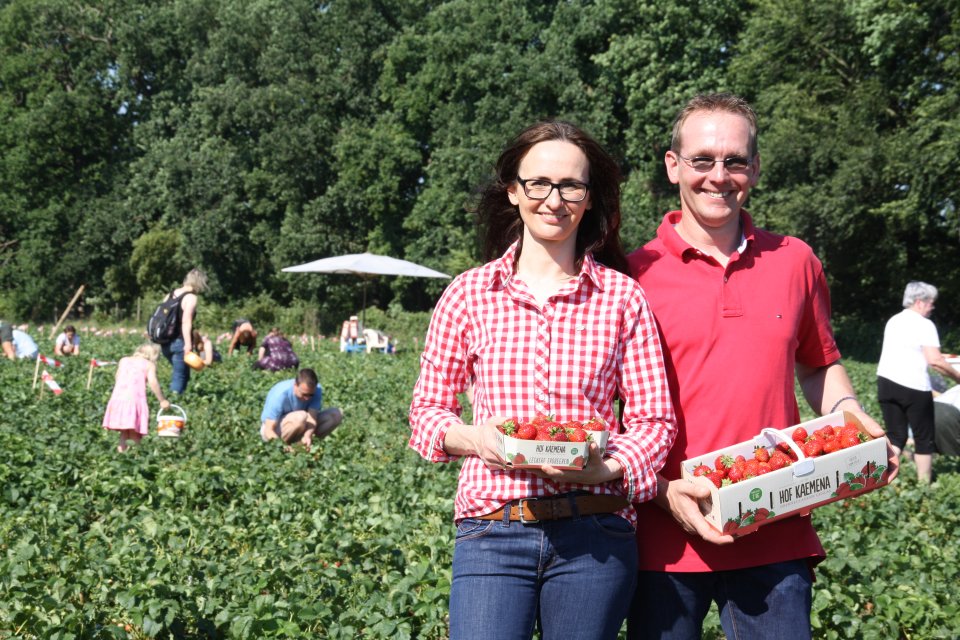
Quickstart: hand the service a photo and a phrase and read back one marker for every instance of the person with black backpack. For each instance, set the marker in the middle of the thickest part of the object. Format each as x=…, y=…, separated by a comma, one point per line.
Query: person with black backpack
x=180, y=308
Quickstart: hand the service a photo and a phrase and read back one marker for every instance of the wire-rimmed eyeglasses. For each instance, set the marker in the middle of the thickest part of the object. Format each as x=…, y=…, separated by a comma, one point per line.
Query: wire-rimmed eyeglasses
x=702, y=164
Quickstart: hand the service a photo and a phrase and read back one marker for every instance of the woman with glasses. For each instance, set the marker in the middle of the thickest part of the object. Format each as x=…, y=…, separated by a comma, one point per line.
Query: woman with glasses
x=551, y=325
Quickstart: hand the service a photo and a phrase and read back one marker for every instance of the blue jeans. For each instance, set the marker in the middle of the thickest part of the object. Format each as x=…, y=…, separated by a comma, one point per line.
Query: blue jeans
x=173, y=351
x=769, y=601
x=576, y=576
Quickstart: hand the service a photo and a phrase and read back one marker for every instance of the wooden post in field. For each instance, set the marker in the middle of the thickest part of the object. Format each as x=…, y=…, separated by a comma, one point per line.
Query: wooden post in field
x=312, y=345
x=90, y=374
x=36, y=372
x=63, y=316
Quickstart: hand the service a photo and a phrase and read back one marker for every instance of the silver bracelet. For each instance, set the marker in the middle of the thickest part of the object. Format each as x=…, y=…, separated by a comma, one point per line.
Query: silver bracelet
x=844, y=399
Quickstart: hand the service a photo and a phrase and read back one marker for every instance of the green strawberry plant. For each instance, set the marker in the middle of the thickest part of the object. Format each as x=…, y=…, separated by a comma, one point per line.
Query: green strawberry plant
x=219, y=535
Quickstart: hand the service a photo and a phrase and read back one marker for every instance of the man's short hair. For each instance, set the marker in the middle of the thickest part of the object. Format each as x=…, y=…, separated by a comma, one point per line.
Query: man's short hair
x=917, y=290
x=307, y=377
x=711, y=103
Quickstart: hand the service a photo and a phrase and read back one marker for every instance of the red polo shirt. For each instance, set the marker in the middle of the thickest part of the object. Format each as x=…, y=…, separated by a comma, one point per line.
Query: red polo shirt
x=731, y=337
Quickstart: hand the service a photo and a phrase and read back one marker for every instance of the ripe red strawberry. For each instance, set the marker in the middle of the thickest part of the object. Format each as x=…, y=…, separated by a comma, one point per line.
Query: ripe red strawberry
x=764, y=468
x=543, y=432
x=541, y=422
x=761, y=454
x=784, y=448
x=849, y=429
x=831, y=445
x=849, y=441
x=723, y=463
x=812, y=448
x=778, y=460
x=739, y=460
x=595, y=424
x=558, y=434
x=716, y=477
x=799, y=434
x=507, y=427
x=735, y=474
x=701, y=470
x=751, y=469
x=576, y=434
x=826, y=433
x=526, y=431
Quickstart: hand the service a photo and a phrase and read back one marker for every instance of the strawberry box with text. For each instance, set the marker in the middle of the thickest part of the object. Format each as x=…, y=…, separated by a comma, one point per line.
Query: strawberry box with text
x=529, y=454
x=807, y=483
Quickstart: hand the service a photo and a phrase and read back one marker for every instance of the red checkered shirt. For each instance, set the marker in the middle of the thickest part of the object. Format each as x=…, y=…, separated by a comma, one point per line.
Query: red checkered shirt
x=593, y=341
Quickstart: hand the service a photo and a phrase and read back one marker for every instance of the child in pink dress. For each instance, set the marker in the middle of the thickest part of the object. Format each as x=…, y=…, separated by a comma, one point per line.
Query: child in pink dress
x=127, y=411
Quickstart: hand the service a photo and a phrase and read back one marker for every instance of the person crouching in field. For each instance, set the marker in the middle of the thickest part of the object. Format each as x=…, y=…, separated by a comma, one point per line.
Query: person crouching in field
x=203, y=347
x=276, y=353
x=127, y=411
x=552, y=325
x=294, y=411
x=68, y=342
x=244, y=335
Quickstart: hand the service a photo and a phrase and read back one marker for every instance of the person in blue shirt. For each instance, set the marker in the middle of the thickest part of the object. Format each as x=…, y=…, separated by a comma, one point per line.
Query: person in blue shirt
x=293, y=411
x=24, y=345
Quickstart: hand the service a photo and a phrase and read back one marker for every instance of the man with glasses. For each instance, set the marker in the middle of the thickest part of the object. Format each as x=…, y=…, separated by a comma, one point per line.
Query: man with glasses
x=740, y=310
x=293, y=411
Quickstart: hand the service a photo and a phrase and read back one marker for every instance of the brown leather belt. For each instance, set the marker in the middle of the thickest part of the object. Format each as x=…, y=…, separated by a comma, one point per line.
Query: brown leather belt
x=537, y=509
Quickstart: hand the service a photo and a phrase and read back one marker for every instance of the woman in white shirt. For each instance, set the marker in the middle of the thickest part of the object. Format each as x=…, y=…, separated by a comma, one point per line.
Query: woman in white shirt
x=911, y=345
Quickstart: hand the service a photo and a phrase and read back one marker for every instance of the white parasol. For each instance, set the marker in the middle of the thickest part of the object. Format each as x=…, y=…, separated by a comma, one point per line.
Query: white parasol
x=365, y=265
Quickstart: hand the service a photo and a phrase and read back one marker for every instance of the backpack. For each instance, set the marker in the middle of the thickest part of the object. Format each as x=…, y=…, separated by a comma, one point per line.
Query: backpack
x=163, y=327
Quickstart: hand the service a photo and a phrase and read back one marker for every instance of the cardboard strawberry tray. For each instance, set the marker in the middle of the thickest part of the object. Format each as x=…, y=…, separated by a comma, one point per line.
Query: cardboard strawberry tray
x=807, y=483
x=532, y=454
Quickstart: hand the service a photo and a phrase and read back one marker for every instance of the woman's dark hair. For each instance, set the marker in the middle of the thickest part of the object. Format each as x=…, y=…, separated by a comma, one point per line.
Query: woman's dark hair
x=599, y=230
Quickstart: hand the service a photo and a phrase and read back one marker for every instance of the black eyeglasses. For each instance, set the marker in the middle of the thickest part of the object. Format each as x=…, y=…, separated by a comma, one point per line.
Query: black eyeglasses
x=702, y=164
x=539, y=189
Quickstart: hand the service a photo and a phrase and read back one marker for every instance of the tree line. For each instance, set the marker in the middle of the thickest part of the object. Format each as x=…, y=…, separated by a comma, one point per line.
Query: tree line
x=139, y=138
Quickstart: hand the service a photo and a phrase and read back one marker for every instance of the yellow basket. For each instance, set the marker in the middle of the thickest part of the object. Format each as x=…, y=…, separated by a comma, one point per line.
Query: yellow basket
x=171, y=425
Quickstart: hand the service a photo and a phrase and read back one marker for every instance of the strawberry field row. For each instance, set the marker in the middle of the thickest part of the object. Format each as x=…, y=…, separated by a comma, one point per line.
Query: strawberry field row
x=218, y=535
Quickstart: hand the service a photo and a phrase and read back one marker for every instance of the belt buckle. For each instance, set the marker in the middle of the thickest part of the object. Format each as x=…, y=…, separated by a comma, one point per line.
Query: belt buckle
x=520, y=505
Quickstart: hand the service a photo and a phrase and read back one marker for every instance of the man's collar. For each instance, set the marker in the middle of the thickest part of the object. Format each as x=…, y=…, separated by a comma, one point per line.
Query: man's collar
x=677, y=245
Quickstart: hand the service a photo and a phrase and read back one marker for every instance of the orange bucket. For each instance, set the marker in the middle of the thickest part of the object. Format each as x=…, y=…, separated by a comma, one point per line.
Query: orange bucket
x=171, y=425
